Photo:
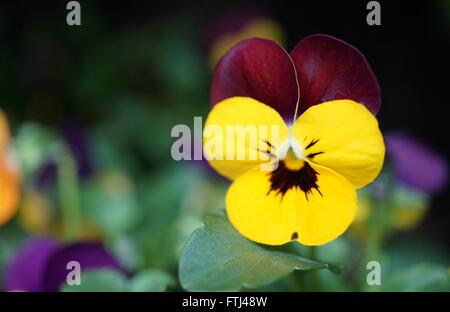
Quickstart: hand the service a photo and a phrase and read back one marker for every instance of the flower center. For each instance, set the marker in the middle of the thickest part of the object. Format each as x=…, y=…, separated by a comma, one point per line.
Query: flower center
x=292, y=162
x=293, y=171
x=284, y=178
x=290, y=146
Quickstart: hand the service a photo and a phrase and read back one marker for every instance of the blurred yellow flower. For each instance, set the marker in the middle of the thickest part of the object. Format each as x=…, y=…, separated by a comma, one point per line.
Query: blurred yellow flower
x=35, y=214
x=406, y=209
x=409, y=208
x=261, y=27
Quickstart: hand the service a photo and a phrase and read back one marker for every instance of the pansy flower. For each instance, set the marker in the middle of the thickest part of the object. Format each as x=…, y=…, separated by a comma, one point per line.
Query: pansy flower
x=9, y=178
x=321, y=99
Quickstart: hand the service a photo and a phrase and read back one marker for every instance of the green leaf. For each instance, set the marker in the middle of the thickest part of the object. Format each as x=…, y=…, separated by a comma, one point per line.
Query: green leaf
x=218, y=258
x=99, y=280
x=151, y=280
x=420, y=277
x=161, y=198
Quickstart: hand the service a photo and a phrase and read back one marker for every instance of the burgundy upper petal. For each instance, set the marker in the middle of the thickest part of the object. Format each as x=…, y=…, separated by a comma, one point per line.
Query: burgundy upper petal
x=257, y=68
x=330, y=69
x=89, y=255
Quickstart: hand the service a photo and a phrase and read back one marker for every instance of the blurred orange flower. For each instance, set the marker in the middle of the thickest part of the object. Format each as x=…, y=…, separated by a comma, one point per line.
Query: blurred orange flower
x=9, y=178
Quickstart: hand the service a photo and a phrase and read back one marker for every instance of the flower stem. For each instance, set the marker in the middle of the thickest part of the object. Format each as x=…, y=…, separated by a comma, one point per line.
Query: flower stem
x=378, y=222
x=69, y=196
x=376, y=231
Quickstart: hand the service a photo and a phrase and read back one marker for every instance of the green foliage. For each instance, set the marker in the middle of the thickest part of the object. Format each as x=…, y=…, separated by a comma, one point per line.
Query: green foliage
x=420, y=277
x=217, y=257
x=113, y=281
x=110, y=203
x=98, y=280
x=151, y=280
x=157, y=234
x=35, y=144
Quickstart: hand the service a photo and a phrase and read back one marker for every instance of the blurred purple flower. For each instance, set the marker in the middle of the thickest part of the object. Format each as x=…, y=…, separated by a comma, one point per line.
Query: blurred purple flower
x=89, y=255
x=41, y=264
x=415, y=164
x=25, y=271
x=76, y=139
x=46, y=174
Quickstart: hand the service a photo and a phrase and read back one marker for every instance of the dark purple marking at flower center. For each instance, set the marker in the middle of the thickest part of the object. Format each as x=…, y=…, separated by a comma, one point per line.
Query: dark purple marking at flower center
x=311, y=144
x=283, y=179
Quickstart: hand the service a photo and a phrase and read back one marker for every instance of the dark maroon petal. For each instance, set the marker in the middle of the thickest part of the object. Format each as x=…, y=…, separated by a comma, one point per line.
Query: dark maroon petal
x=260, y=69
x=330, y=69
x=89, y=255
x=415, y=164
x=25, y=271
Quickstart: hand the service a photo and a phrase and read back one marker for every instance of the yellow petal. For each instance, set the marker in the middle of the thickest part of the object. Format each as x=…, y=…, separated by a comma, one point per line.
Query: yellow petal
x=315, y=218
x=241, y=133
x=343, y=136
